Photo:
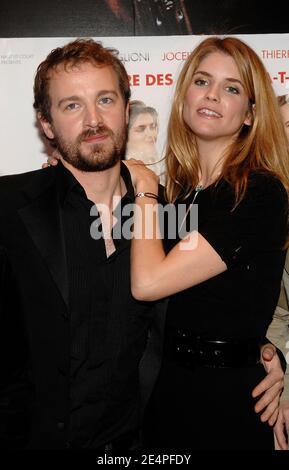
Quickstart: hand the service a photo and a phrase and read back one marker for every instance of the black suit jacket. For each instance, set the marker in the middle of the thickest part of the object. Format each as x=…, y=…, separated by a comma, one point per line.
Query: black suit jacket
x=34, y=388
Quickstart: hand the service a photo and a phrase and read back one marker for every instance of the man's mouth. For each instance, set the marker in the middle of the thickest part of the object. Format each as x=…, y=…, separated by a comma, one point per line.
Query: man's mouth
x=95, y=138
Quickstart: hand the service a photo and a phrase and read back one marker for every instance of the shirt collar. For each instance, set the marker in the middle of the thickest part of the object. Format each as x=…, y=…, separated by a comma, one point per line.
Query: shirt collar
x=70, y=183
x=125, y=174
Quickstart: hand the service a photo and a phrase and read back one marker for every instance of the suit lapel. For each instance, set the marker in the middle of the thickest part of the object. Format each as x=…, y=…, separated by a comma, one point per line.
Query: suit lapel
x=43, y=220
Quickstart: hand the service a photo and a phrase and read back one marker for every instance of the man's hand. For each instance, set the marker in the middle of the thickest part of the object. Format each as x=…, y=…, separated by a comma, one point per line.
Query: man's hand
x=281, y=428
x=52, y=160
x=271, y=386
x=140, y=172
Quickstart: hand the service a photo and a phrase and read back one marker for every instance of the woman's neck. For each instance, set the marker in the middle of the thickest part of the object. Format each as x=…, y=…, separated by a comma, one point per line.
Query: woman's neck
x=211, y=159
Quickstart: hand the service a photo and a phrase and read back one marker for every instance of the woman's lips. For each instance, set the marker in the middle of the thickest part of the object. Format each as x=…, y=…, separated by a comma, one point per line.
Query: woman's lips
x=209, y=113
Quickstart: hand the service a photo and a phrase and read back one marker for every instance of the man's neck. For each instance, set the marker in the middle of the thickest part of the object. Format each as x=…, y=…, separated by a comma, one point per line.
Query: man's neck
x=101, y=187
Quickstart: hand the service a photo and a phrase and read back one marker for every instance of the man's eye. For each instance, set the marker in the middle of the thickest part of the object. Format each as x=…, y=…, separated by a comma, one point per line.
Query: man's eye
x=105, y=100
x=72, y=106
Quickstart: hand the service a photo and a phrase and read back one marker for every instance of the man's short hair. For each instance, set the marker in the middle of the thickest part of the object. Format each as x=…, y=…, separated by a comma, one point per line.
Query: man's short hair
x=75, y=53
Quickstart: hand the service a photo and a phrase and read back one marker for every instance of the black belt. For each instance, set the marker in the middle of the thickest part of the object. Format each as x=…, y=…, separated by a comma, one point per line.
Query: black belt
x=190, y=350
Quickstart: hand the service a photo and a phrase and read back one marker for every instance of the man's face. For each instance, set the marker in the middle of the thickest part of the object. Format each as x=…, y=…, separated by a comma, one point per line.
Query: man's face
x=88, y=116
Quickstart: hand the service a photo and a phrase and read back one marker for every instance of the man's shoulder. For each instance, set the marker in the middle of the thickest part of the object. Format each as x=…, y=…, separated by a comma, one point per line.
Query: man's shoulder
x=19, y=179
x=13, y=186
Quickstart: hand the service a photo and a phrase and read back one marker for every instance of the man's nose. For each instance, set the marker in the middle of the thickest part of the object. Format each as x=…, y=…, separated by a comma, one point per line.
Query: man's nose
x=93, y=117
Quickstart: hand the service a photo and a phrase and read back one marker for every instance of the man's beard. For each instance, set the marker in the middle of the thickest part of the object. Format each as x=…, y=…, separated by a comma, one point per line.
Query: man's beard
x=101, y=156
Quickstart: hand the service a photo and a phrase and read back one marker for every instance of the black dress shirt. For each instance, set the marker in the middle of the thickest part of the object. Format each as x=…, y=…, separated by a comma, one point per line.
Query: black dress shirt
x=91, y=278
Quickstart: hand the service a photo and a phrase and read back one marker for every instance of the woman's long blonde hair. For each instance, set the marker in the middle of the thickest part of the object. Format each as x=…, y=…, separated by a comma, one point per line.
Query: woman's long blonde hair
x=261, y=146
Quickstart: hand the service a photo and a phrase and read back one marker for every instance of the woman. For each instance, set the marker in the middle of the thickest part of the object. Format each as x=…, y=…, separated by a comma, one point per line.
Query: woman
x=226, y=152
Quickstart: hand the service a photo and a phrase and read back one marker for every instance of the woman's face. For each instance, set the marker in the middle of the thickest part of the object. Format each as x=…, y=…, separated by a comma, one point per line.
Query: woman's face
x=216, y=105
x=144, y=130
x=285, y=116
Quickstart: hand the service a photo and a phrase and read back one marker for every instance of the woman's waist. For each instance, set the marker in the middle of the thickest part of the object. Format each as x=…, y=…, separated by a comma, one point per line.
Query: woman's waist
x=191, y=348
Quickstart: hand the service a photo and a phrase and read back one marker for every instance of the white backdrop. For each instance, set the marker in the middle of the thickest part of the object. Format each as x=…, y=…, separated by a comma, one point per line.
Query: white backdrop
x=152, y=62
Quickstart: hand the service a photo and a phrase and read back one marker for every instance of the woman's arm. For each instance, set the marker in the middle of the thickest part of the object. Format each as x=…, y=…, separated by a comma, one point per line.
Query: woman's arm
x=154, y=274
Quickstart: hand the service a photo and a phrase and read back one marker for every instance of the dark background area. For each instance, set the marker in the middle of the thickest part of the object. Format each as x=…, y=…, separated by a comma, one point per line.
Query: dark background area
x=60, y=18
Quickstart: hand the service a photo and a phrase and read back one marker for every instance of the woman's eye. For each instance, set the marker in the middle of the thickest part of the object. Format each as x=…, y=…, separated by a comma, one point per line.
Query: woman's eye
x=200, y=82
x=233, y=89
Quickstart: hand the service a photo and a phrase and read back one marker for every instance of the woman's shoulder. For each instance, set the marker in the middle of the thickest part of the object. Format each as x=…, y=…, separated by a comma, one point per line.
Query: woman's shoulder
x=266, y=195
x=264, y=191
x=266, y=183
x=264, y=177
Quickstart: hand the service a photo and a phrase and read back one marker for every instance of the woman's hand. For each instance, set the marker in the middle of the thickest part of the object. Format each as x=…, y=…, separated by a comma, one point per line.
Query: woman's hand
x=143, y=179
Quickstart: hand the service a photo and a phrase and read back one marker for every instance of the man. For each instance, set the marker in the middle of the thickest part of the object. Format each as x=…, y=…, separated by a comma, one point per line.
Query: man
x=72, y=336
x=84, y=333
x=278, y=333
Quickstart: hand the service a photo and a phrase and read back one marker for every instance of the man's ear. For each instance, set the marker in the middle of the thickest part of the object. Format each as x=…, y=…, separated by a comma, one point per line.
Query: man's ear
x=46, y=126
x=250, y=115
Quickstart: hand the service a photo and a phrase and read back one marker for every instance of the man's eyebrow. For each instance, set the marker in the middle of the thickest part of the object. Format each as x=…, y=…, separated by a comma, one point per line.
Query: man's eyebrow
x=105, y=92
x=67, y=98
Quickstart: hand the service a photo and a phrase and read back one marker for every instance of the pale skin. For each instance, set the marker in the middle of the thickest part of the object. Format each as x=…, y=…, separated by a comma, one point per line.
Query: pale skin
x=83, y=98
x=216, y=107
x=100, y=187
x=282, y=421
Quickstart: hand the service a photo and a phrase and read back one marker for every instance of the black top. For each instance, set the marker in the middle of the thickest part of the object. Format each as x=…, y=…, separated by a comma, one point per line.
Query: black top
x=90, y=277
x=240, y=302
x=39, y=313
